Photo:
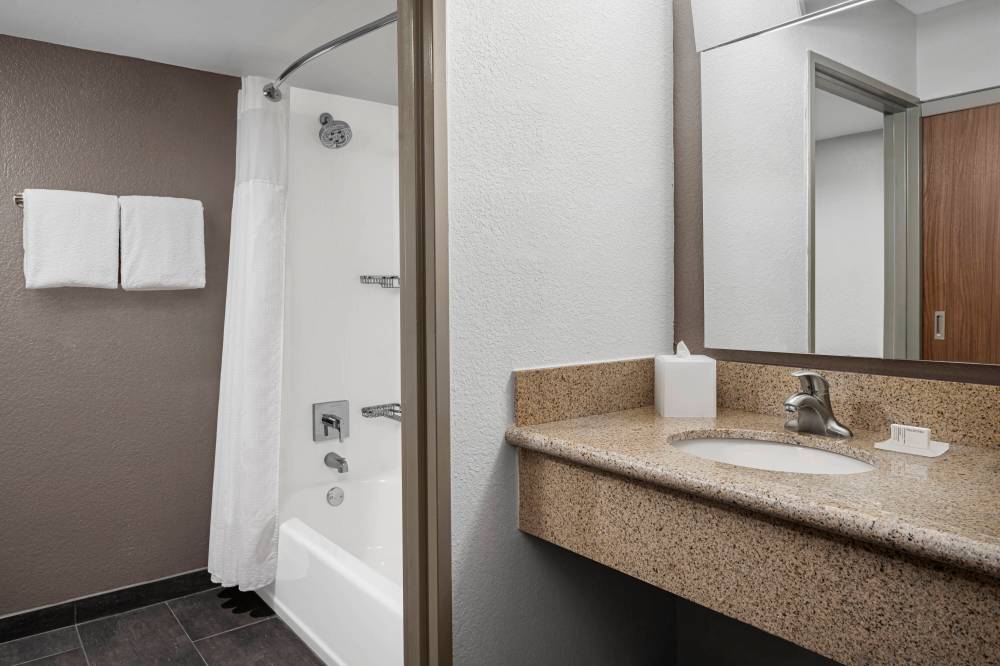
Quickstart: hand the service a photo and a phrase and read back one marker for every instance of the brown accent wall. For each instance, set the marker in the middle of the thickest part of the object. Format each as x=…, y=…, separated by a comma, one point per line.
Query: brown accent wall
x=689, y=309
x=107, y=398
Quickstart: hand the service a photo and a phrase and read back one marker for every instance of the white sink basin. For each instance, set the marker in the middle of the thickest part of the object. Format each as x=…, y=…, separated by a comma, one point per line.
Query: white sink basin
x=772, y=456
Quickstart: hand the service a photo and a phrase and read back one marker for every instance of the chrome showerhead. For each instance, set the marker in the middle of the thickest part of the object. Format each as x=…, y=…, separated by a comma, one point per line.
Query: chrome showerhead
x=334, y=133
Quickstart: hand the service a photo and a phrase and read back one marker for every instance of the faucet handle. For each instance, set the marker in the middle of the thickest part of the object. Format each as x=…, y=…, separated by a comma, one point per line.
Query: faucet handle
x=812, y=382
x=332, y=420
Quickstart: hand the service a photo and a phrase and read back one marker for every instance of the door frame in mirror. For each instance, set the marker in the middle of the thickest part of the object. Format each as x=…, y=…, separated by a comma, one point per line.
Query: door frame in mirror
x=960, y=102
x=902, y=319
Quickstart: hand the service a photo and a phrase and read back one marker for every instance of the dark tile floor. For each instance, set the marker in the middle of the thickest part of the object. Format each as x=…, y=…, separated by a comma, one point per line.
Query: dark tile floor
x=220, y=626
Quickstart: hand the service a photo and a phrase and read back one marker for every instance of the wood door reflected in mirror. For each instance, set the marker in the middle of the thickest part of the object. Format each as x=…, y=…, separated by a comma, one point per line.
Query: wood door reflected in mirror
x=961, y=236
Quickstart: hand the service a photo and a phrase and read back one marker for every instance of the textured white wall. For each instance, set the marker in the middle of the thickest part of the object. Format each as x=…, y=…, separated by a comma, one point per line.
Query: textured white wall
x=958, y=48
x=755, y=147
x=341, y=337
x=561, y=219
x=850, y=245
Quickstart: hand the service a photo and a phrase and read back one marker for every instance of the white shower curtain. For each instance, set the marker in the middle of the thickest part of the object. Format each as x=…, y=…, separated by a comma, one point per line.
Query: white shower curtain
x=244, y=533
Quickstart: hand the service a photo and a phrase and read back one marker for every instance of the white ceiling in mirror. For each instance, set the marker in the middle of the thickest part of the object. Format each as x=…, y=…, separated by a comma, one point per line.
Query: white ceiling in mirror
x=810, y=6
x=835, y=116
x=924, y=6
x=718, y=22
x=234, y=37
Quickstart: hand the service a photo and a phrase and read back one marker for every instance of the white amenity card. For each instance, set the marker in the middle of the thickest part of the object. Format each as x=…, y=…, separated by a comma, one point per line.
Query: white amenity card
x=913, y=440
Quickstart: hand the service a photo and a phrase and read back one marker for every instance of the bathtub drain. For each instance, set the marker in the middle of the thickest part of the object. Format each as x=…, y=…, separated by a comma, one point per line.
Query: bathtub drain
x=335, y=496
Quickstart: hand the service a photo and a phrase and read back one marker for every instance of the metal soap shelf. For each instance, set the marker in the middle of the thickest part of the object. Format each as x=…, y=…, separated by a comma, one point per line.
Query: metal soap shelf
x=384, y=281
x=390, y=410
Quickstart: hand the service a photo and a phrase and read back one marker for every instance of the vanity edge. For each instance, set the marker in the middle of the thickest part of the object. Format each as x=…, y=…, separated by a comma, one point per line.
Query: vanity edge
x=895, y=534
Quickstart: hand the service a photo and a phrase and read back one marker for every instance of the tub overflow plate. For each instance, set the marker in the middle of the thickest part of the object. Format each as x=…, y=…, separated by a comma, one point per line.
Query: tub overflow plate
x=335, y=496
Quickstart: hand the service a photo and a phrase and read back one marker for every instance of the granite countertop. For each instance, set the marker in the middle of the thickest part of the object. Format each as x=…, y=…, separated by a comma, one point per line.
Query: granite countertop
x=945, y=508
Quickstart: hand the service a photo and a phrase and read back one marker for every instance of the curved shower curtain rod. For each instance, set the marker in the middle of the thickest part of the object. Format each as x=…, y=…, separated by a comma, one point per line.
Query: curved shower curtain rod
x=272, y=91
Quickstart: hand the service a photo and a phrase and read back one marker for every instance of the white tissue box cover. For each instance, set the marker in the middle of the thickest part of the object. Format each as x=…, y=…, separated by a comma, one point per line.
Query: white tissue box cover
x=685, y=386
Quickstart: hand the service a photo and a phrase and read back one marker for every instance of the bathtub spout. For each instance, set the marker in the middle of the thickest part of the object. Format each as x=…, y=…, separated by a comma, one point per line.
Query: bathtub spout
x=339, y=463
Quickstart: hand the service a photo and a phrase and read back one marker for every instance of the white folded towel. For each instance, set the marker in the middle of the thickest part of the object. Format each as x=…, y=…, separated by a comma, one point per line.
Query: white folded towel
x=70, y=239
x=163, y=243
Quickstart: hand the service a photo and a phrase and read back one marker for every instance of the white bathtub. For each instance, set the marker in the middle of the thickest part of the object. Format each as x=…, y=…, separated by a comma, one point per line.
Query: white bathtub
x=339, y=584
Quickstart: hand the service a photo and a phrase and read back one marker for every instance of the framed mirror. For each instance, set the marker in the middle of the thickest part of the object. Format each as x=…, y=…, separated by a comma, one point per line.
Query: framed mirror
x=851, y=171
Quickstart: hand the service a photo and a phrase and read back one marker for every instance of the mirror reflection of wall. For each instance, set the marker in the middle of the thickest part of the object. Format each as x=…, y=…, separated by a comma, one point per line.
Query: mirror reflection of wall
x=817, y=238
x=849, y=163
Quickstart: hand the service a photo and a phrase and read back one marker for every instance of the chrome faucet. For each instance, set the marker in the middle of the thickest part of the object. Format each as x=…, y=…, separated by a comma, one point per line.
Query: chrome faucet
x=339, y=463
x=812, y=409
x=332, y=421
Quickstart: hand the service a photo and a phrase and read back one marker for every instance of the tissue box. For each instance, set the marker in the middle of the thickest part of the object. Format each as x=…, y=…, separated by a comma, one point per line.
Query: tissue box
x=685, y=385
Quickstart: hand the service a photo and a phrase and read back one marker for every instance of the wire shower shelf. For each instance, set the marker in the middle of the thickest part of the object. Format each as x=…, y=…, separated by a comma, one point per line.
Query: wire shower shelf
x=384, y=281
x=390, y=410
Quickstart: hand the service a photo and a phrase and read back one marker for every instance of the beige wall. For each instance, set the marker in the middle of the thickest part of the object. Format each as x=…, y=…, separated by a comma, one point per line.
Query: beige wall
x=107, y=398
x=689, y=310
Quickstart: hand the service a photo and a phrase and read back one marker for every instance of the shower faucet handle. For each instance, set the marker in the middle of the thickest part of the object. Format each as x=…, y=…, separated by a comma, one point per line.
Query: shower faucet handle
x=332, y=421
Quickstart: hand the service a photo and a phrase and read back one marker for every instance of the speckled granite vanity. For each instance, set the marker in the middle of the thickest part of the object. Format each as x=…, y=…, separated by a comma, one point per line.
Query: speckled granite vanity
x=897, y=565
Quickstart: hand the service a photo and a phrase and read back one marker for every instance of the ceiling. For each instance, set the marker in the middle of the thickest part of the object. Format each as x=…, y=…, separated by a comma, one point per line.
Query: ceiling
x=835, y=116
x=236, y=37
x=924, y=6
x=811, y=6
